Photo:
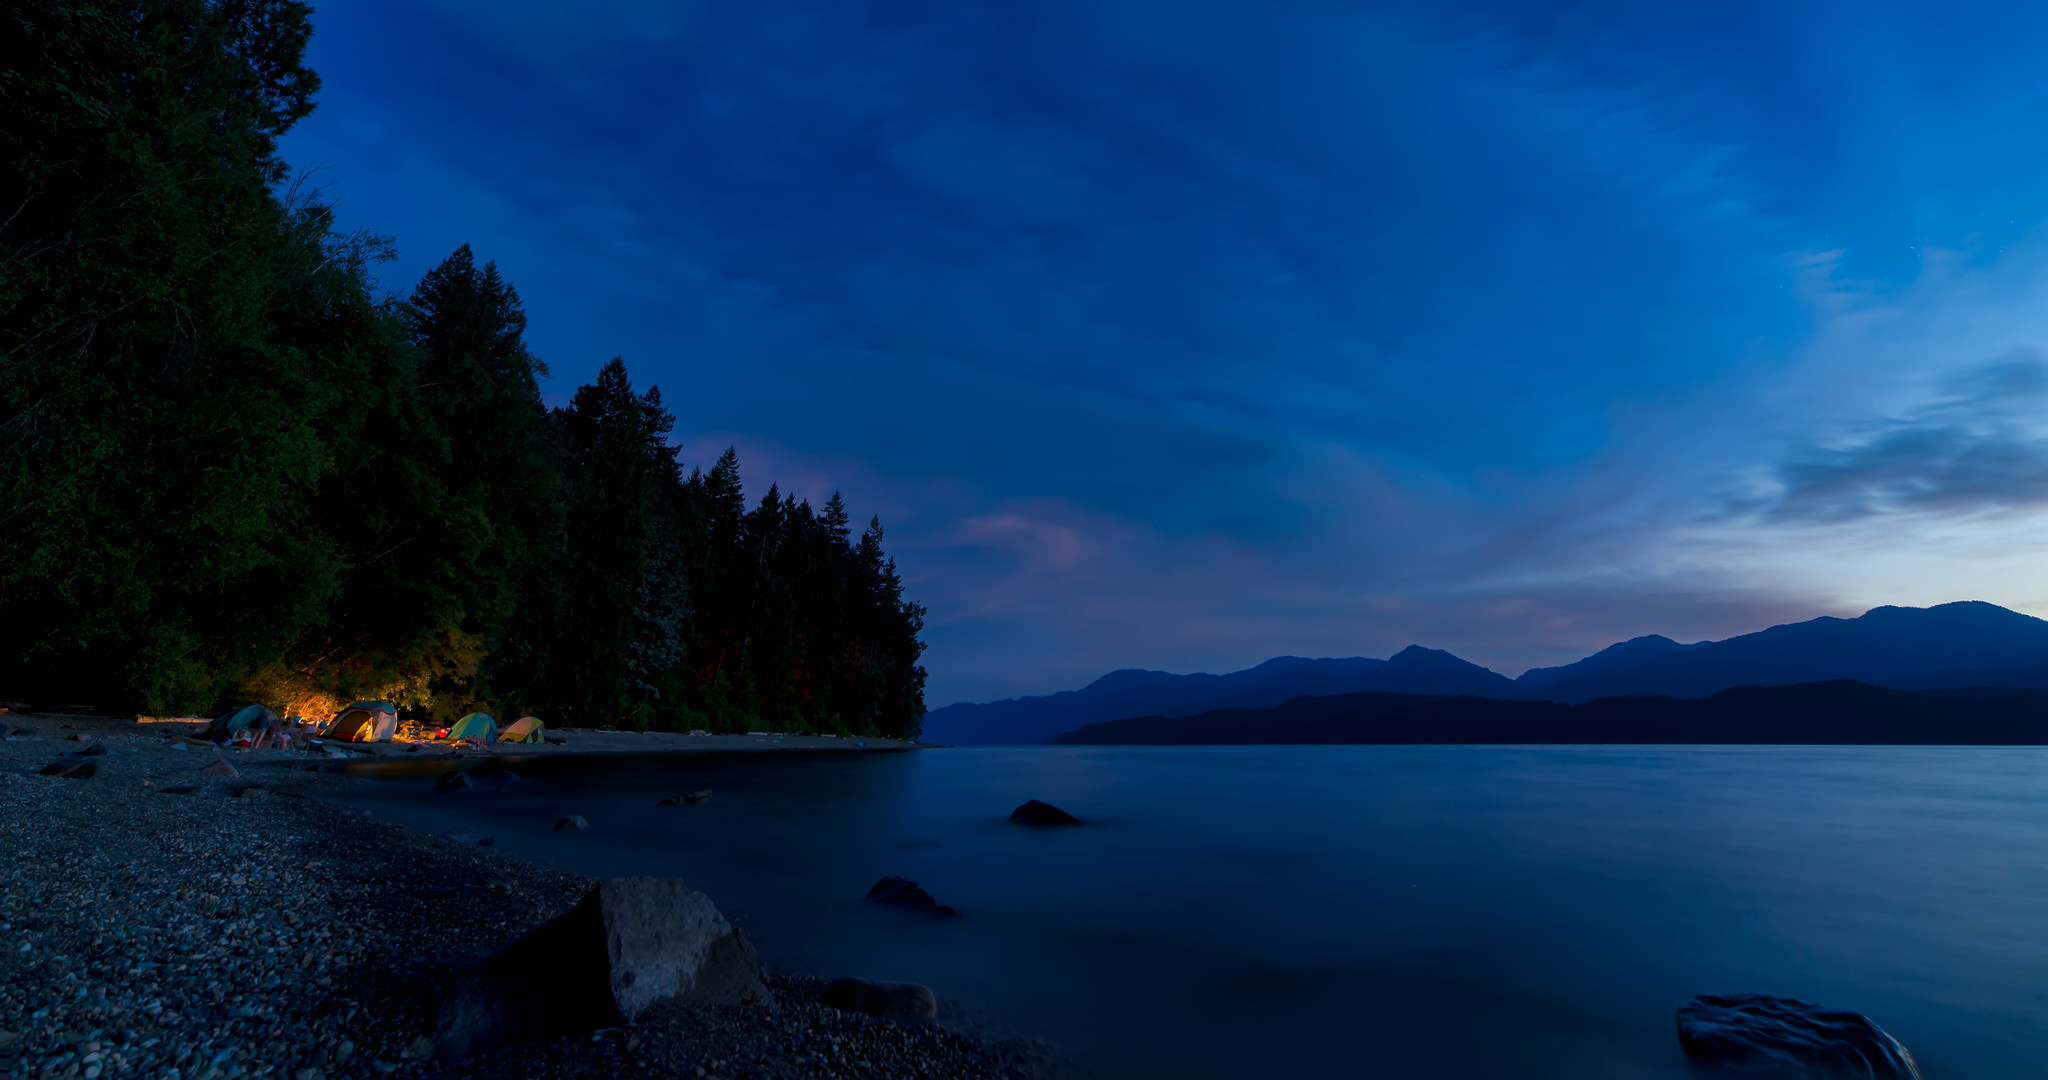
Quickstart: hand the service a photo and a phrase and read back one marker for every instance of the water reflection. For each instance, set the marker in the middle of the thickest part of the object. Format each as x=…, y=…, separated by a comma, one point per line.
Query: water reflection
x=1393, y=911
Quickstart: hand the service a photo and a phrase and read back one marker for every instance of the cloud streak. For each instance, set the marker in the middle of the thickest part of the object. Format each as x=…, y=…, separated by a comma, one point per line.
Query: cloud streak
x=1980, y=448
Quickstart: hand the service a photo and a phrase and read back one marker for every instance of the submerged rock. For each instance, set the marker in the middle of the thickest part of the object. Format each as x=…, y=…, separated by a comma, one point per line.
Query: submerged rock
x=904, y=893
x=453, y=781
x=572, y=823
x=894, y=1001
x=1771, y=1036
x=687, y=799
x=1039, y=813
x=628, y=943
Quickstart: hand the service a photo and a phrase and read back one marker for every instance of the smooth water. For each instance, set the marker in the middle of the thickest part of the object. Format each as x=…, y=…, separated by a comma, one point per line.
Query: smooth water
x=1438, y=912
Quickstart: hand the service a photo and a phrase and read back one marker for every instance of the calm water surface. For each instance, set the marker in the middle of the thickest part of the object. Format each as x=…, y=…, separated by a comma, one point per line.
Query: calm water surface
x=1385, y=911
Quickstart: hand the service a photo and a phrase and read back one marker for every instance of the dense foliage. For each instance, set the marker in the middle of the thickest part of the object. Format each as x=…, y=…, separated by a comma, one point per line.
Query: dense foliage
x=230, y=470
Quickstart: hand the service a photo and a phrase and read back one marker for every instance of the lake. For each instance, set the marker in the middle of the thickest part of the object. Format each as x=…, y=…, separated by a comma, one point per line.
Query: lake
x=1427, y=912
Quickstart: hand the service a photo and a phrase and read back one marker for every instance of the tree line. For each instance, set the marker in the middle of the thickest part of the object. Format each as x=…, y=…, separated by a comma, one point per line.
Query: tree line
x=232, y=469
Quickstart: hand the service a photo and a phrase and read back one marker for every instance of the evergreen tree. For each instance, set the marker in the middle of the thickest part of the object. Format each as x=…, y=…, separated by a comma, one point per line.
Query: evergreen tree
x=175, y=340
x=445, y=503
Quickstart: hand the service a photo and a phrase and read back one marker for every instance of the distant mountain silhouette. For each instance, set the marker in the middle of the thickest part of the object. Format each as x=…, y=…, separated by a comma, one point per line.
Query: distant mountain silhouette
x=1612, y=658
x=1959, y=644
x=1133, y=692
x=1416, y=670
x=1838, y=712
x=1965, y=644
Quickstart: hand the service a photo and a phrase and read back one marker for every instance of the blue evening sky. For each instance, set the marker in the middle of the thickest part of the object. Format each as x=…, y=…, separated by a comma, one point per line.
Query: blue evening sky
x=1186, y=334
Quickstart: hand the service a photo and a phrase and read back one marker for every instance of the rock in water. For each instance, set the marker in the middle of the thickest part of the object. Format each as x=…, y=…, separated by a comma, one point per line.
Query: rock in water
x=688, y=799
x=1756, y=1033
x=453, y=781
x=1038, y=813
x=572, y=823
x=627, y=944
x=899, y=892
x=895, y=1001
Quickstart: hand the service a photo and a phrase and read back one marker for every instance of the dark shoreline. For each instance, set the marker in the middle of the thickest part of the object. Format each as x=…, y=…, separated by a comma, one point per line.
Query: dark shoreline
x=1836, y=713
x=249, y=928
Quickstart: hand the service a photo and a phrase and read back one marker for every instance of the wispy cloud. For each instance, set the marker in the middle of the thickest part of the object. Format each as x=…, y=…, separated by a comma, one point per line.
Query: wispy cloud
x=1980, y=447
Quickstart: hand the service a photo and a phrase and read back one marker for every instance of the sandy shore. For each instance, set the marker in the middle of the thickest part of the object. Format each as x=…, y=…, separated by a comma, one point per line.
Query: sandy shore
x=160, y=922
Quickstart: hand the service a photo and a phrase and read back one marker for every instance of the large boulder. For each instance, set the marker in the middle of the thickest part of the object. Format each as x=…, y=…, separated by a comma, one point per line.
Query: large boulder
x=1762, y=1035
x=627, y=944
x=911, y=1002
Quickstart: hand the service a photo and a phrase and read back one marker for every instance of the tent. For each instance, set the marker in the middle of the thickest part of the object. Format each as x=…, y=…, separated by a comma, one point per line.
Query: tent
x=474, y=726
x=364, y=721
x=249, y=719
x=526, y=729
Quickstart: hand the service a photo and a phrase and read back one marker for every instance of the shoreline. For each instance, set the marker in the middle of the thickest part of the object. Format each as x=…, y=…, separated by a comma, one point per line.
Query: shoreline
x=157, y=922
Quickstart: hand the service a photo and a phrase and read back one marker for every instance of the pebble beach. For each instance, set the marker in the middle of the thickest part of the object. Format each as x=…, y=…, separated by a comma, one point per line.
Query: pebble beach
x=167, y=917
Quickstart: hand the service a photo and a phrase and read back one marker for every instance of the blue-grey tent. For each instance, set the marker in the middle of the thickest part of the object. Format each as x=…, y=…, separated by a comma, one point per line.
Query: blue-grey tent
x=249, y=719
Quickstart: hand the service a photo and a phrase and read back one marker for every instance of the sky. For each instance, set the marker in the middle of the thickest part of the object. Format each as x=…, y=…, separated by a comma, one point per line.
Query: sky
x=1182, y=335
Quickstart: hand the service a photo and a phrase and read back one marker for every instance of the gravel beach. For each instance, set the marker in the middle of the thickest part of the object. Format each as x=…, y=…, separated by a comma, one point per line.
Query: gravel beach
x=158, y=921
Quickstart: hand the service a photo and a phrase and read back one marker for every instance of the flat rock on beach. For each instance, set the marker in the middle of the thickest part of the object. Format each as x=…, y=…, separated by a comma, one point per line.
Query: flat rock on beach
x=246, y=928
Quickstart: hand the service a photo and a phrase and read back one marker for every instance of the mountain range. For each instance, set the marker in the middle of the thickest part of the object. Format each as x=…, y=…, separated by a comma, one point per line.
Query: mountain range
x=1969, y=643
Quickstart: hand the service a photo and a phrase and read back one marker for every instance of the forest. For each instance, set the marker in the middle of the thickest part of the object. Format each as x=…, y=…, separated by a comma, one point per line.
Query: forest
x=234, y=469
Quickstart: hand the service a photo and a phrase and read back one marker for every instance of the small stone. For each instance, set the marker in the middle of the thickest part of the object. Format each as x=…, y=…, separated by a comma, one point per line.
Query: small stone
x=1039, y=813
x=894, y=1001
x=182, y=789
x=95, y=750
x=904, y=893
x=73, y=769
x=80, y=737
x=421, y=1047
x=572, y=823
x=180, y=747
x=219, y=768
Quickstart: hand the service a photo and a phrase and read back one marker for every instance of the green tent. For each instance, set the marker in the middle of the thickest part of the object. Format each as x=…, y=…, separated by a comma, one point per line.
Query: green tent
x=474, y=726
